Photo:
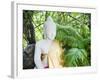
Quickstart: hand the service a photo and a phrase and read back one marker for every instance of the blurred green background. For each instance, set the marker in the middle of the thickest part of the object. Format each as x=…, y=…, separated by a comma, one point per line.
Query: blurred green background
x=73, y=32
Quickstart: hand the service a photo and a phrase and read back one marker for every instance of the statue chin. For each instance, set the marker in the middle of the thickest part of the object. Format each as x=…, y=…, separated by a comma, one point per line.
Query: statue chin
x=51, y=38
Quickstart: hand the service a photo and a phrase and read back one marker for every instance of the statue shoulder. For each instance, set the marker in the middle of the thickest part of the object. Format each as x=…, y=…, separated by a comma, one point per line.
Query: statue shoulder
x=40, y=43
x=56, y=45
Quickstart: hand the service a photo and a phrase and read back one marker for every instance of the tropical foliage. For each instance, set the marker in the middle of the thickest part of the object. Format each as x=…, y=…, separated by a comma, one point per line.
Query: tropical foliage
x=73, y=32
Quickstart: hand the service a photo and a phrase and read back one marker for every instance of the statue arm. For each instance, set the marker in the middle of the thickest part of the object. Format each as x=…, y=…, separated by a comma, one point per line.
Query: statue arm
x=37, y=57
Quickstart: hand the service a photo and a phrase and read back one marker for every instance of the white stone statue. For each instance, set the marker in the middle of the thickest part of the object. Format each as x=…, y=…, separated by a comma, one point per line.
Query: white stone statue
x=44, y=46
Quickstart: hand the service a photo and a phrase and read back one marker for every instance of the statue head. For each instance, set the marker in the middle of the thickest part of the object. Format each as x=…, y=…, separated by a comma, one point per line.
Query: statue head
x=49, y=29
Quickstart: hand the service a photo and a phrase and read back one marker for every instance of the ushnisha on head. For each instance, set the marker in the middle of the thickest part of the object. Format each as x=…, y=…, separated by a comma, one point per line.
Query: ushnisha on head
x=49, y=29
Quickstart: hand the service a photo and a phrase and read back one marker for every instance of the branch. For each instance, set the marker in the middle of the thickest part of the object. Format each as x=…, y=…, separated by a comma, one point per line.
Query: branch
x=76, y=19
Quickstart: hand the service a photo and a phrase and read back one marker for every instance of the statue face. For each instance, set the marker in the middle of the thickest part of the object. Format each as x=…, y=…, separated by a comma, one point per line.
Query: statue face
x=50, y=34
x=50, y=29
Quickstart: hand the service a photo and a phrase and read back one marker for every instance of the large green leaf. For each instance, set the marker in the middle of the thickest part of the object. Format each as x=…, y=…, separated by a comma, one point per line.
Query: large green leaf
x=73, y=37
x=76, y=57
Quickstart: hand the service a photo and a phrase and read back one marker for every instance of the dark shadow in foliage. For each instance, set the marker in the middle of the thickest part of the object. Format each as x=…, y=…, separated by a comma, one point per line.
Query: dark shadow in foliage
x=28, y=29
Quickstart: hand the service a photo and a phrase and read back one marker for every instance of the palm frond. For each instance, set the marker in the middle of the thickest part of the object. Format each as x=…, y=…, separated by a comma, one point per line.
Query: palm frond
x=76, y=57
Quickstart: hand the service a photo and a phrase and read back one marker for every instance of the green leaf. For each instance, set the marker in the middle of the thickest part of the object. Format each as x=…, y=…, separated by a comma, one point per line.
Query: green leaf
x=76, y=57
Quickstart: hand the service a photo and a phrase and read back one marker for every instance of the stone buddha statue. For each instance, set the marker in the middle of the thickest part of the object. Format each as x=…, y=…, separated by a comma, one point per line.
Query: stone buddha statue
x=47, y=51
